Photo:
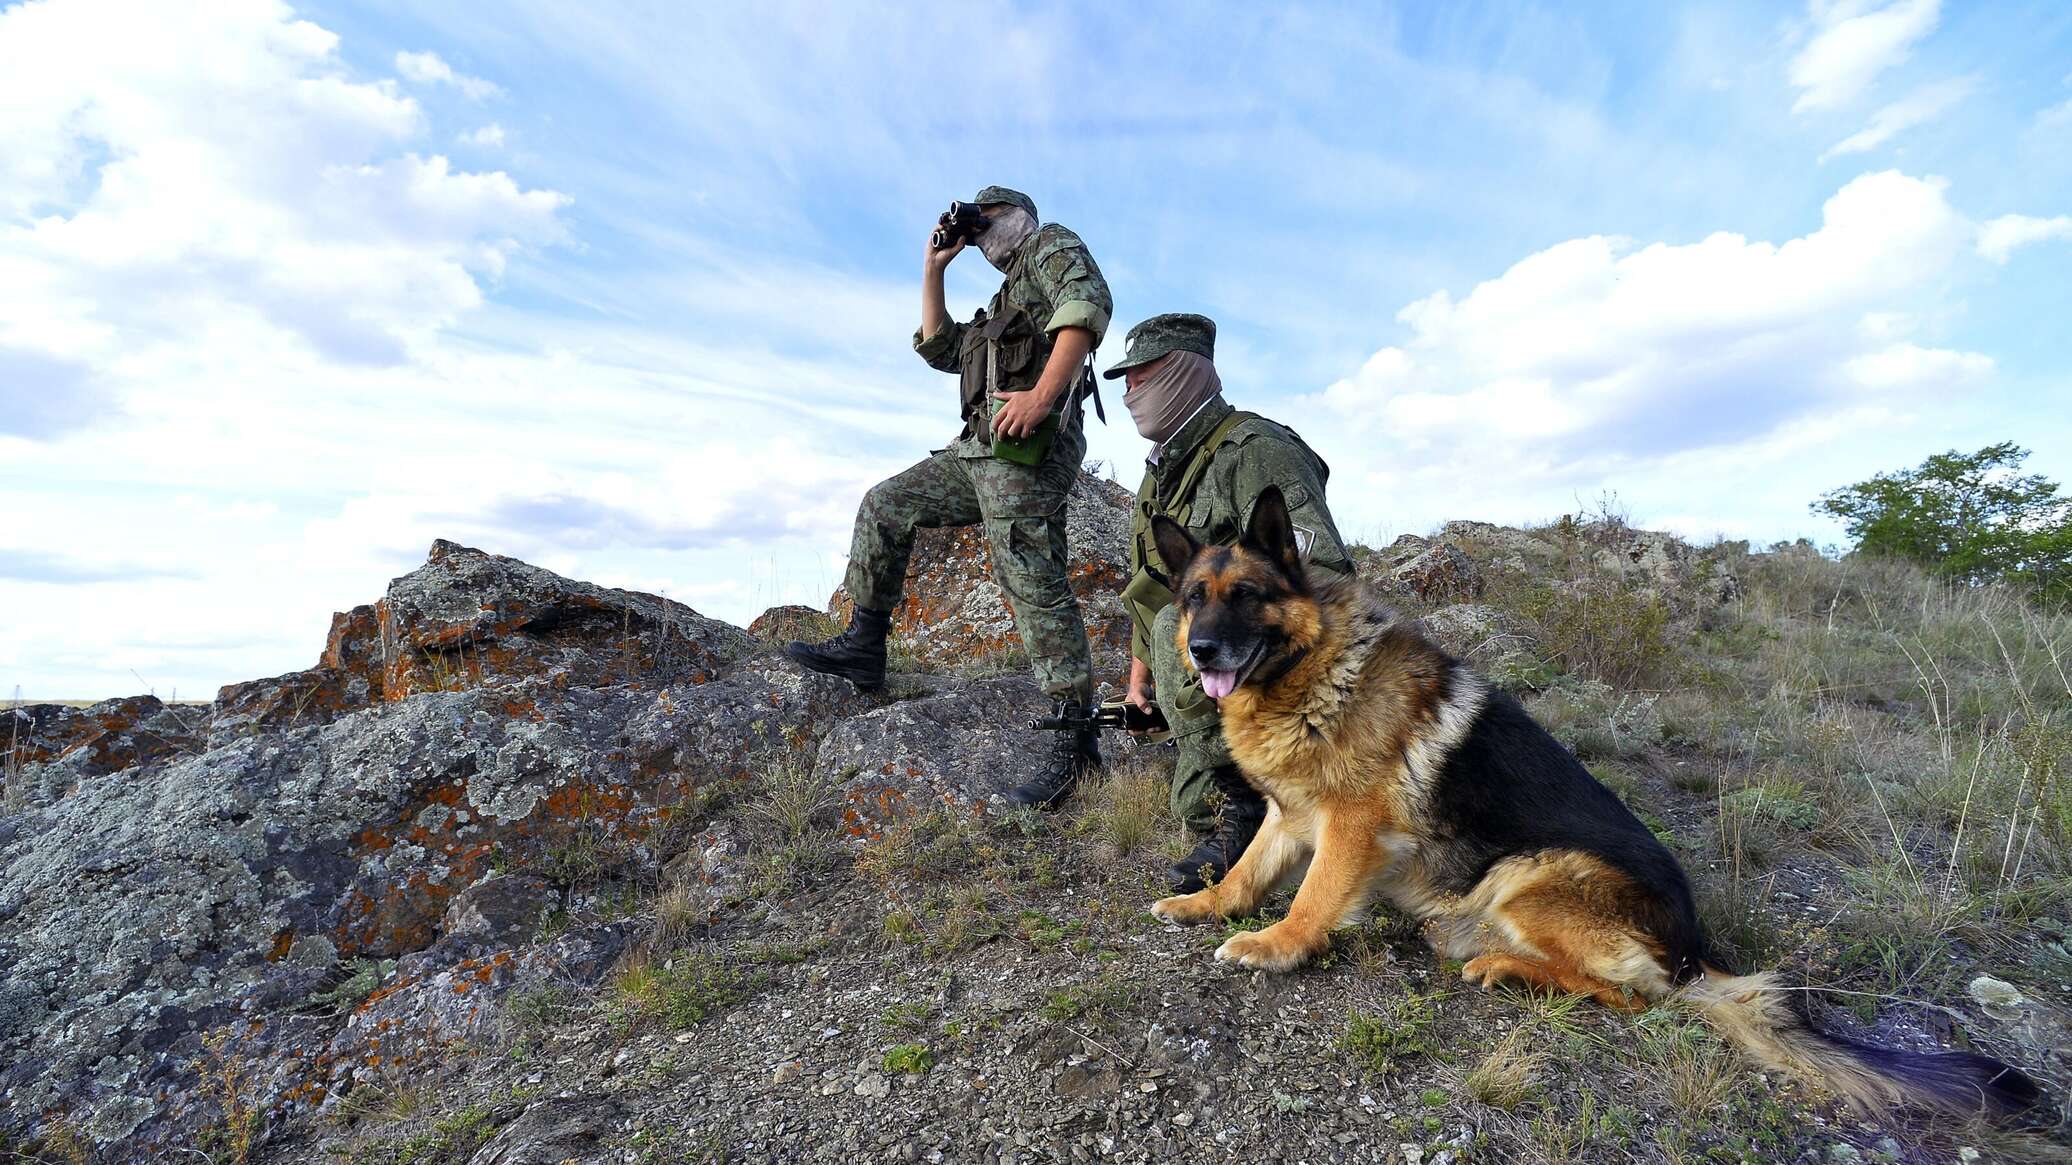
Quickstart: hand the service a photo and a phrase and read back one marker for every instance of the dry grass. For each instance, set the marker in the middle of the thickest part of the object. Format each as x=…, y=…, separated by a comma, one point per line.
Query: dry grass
x=1125, y=807
x=679, y=912
x=1511, y=1072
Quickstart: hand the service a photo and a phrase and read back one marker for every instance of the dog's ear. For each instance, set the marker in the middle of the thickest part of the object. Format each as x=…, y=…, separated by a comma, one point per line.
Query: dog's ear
x=1175, y=545
x=1272, y=534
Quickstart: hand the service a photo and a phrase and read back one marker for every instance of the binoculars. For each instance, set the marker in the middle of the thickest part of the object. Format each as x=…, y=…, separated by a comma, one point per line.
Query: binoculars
x=963, y=222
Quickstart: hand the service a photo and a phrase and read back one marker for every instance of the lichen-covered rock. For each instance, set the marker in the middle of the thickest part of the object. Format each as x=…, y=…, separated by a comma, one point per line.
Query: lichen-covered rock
x=1473, y=631
x=951, y=612
x=558, y=1131
x=224, y=891
x=1444, y=573
x=296, y=700
x=1403, y=549
x=500, y=911
x=1488, y=639
x=466, y=618
x=433, y=1002
x=964, y=744
x=50, y=748
x=1682, y=575
x=1501, y=542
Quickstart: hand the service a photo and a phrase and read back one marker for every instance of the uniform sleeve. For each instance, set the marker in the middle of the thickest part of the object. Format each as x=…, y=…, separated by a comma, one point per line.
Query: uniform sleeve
x=1072, y=285
x=1264, y=461
x=944, y=351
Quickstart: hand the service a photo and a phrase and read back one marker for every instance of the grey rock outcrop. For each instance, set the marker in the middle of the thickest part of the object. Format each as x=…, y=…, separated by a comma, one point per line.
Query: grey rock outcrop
x=1489, y=640
x=1443, y=573
x=50, y=748
x=350, y=869
x=961, y=745
x=467, y=618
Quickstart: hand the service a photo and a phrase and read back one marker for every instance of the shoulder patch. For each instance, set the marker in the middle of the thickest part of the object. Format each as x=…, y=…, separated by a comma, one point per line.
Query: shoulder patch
x=1063, y=263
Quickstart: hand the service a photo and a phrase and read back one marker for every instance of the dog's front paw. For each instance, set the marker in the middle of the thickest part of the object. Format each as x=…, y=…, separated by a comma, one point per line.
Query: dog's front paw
x=1196, y=907
x=1274, y=949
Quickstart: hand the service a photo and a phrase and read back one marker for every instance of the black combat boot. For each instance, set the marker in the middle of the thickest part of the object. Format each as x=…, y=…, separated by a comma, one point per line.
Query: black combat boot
x=1073, y=754
x=1237, y=823
x=856, y=655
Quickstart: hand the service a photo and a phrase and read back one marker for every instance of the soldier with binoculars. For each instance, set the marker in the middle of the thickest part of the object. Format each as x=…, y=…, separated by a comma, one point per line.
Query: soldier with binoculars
x=1023, y=367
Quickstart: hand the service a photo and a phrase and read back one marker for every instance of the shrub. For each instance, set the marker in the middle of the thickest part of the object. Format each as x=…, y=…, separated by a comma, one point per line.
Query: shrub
x=1600, y=629
x=1966, y=516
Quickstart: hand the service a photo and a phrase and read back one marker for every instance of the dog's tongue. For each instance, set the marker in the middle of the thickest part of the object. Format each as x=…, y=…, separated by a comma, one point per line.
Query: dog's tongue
x=1218, y=684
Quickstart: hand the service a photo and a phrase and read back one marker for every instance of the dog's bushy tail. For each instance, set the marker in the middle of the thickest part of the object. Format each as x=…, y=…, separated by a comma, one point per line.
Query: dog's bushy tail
x=1765, y=1019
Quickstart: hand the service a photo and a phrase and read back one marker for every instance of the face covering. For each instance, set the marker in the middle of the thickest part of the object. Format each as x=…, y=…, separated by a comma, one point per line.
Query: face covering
x=1163, y=401
x=1005, y=235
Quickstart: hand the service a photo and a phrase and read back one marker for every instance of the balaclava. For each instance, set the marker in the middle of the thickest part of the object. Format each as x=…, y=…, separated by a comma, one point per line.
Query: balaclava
x=1005, y=235
x=1163, y=401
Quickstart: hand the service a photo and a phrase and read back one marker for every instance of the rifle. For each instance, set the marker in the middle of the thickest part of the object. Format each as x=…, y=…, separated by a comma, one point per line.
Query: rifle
x=1118, y=714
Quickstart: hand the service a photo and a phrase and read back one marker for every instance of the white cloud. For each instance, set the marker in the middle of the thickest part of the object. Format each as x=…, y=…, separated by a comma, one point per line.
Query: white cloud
x=1999, y=239
x=1916, y=108
x=1908, y=366
x=1598, y=352
x=490, y=136
x=427, y=68
x=1854, y=41
x=164, y=179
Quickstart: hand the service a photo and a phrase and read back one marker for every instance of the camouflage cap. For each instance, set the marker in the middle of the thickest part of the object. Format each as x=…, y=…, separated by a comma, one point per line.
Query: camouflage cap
x=1177, y=331
x=993, y=194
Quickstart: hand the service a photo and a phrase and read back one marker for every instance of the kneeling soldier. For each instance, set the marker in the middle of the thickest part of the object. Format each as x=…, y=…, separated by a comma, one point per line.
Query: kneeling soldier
x=1208, y=464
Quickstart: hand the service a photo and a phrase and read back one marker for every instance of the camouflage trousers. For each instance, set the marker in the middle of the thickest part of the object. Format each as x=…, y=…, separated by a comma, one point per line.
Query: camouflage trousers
x=1023, y=509
x=1197, y=726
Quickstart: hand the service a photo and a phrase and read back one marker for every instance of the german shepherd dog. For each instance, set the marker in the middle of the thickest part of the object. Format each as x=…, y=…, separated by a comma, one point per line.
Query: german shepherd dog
x=1392, y=770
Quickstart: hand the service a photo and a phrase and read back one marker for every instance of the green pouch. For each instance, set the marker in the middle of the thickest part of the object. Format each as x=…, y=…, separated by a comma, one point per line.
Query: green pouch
x=1029, y=450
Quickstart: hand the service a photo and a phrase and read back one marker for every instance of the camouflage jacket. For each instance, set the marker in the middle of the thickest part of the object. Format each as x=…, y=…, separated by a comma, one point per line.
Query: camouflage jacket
x=1052, y=283
x=1253, y=455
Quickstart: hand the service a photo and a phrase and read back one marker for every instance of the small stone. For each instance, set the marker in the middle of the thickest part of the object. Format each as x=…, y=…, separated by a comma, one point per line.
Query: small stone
x=874, y=1086
x=786, y=1072
x=1998, y=997
x=1412, y=1154
x=1183, y=1119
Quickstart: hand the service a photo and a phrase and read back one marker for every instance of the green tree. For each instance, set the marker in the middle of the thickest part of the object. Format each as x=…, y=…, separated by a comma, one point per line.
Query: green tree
x=1966, y=516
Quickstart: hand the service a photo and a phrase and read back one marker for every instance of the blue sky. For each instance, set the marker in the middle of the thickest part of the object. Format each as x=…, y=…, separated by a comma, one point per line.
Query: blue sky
x=626, y=290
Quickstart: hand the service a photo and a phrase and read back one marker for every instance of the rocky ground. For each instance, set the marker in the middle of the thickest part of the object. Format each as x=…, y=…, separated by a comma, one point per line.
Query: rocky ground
x=527, y=871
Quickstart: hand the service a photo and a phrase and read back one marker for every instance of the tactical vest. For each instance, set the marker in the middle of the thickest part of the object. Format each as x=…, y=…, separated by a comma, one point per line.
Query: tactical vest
x=1149, y=587
x=1005, y=349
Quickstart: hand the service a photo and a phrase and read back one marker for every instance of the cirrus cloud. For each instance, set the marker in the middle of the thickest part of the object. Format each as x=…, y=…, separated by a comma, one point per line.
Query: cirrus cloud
x=1853, y=42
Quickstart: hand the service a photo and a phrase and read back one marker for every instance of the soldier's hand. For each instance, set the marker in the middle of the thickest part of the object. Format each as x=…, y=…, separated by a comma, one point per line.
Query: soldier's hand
x=1139, y=694
x=936, y=258
x=1020, y=412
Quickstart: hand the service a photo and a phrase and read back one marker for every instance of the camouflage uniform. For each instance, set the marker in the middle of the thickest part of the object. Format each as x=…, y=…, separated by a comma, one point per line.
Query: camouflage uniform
x=1050, y=283
x=1248, y=456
